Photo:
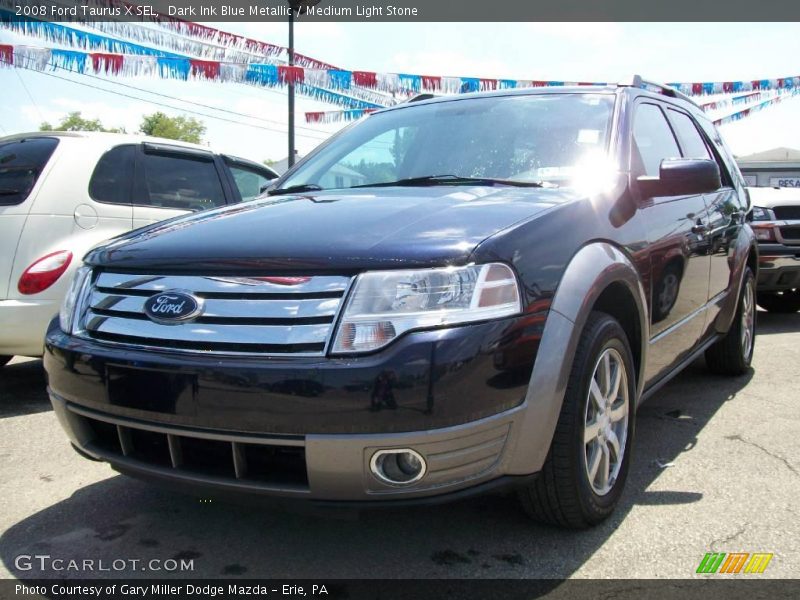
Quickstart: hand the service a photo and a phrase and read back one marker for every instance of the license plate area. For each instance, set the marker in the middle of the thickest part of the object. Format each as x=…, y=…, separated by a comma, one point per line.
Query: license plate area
x=151, y=390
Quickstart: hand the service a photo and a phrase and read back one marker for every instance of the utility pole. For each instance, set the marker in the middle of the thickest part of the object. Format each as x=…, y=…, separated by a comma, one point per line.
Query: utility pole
x=290, y=162
x=299, y=7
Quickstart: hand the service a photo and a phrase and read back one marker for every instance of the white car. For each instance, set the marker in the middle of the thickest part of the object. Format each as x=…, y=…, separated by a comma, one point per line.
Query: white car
x=63, y=193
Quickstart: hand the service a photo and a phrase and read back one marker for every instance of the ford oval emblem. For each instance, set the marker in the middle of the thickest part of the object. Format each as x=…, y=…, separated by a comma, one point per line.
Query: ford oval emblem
x=173, y=307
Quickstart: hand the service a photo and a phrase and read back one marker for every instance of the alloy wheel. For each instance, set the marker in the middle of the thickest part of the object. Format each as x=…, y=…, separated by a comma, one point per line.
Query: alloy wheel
x=606, y=422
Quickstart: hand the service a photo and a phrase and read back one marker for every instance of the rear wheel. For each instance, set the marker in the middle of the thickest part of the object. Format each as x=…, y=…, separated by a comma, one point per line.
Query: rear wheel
x=733, y=353
x=585, y=470
x=780, y=302
x=4, y=360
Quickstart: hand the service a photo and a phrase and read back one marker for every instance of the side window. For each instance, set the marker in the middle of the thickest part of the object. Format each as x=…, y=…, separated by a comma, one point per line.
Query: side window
x=248, y=181
x=113, y=176
x=21, y=163
x=691, y=140
x=724, y=157
x=172, y=181
x=652, y=140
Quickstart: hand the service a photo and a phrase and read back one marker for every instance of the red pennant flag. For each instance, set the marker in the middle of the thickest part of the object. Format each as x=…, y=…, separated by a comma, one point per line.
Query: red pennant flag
x=110, y=63
x=205, y=68
x=727, y=87
x=290, y=75
x=697, y=89
x=7, y=54
x=431, y=82
x=366, y=79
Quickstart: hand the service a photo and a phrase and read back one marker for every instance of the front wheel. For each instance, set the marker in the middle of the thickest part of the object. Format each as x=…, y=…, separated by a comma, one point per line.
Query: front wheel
x=585, y=470
x=733, y=354
x=4, y=360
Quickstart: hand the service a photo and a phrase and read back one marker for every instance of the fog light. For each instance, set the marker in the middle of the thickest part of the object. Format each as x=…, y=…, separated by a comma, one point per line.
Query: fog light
x=398, y=467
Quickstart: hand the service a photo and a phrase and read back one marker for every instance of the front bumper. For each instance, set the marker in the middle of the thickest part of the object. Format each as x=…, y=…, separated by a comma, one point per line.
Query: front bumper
x=23, y=324
x=305, y=427
x=778, y=267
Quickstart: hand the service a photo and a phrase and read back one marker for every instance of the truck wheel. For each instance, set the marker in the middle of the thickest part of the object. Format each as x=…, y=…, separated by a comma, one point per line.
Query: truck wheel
x=780, y=302
x=4, y=360
x=733, y=353
x=585, y=470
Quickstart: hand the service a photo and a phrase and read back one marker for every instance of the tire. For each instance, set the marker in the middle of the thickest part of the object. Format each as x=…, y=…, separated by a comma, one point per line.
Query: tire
x=565, y=494
x=733, y=354
x=780, y=302
x=4, y=360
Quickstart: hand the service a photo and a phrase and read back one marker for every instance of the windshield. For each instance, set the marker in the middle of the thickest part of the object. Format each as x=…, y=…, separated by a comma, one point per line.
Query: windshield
x=532, y=138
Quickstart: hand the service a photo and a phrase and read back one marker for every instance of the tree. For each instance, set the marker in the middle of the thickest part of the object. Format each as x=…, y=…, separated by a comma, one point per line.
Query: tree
x=75, y=122
x=187, y=129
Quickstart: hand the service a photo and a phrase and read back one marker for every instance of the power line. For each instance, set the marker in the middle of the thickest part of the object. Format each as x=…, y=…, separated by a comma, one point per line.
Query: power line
x=25, y=87
x=323, y=136
x=200, y=104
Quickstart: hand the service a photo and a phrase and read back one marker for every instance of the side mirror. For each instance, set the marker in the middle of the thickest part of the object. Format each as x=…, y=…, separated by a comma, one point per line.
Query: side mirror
x=681, y=177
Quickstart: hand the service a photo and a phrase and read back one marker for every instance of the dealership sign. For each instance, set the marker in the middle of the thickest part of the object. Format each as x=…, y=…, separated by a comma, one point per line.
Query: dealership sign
x=791, y=182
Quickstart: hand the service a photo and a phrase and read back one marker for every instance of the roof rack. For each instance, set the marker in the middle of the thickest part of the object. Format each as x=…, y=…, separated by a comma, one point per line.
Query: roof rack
x=421, y=97
x=659, y=88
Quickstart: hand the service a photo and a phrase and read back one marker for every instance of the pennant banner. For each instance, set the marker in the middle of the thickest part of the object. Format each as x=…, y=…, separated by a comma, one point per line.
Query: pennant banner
x=187, y=36
x=337, y=116
x=167, y=67
x=746, y=112
x=69, y=36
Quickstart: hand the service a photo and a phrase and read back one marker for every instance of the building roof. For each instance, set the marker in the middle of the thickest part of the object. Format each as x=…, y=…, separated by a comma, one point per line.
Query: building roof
x=774, y=155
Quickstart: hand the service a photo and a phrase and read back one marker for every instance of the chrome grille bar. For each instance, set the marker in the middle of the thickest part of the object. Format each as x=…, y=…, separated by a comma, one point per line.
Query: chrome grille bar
x=202, y=285
x=254, y=315
x=266, y=309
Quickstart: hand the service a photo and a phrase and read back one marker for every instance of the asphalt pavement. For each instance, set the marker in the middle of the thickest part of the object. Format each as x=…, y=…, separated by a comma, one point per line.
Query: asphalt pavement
x=716, y=469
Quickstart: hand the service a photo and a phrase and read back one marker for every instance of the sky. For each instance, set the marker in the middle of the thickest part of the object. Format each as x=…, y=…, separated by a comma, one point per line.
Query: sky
x=568, y=51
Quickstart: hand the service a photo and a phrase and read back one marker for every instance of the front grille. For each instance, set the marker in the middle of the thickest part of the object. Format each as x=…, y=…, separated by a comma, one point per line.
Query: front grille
x=791, y=234
x=787, y=213
x=275, y=463
x=280, y=316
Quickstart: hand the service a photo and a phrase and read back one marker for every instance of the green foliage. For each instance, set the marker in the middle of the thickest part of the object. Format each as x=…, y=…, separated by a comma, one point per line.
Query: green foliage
x=187, y=129
x=75, y=122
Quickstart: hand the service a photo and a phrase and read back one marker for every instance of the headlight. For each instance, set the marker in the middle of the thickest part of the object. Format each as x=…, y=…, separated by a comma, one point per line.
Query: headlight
x=73, y=299
x=385, y=304
x=762, y=214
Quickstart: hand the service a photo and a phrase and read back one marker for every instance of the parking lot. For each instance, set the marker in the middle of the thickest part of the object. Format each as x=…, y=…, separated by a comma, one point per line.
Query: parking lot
x=715, y=468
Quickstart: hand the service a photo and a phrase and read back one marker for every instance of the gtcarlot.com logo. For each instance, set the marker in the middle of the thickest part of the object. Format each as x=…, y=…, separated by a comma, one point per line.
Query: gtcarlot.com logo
x=45, y=562
x=734, y=562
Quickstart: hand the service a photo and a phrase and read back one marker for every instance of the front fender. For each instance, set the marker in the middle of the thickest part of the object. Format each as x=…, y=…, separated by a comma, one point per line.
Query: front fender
x=593, y=268
x=745, y=243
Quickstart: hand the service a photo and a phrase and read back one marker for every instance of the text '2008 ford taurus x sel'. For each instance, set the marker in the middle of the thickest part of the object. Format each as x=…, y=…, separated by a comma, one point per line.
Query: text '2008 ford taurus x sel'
x=451, y=295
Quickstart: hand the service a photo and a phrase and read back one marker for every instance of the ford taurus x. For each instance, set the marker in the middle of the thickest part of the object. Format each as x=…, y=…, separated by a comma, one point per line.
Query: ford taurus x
x=451, y=295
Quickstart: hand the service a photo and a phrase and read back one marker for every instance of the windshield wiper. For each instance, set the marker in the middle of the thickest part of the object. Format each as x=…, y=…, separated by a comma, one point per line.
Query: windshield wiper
x=451, y=180
x=303, y=187
x=9, y=192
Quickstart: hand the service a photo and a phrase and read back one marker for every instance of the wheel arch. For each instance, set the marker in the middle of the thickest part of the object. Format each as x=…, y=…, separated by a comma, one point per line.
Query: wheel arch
x=600, y=276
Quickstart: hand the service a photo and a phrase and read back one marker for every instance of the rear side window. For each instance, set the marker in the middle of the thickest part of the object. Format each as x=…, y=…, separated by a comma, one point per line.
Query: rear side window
x=691, y=140
x=21, y=163
x=113, y=176
x=173, y=181
x=652, y=140
x=248, y=181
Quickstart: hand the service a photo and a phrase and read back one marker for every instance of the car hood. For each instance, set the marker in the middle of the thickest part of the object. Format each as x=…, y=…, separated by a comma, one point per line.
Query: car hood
x=772, y=197
x=363, y=228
